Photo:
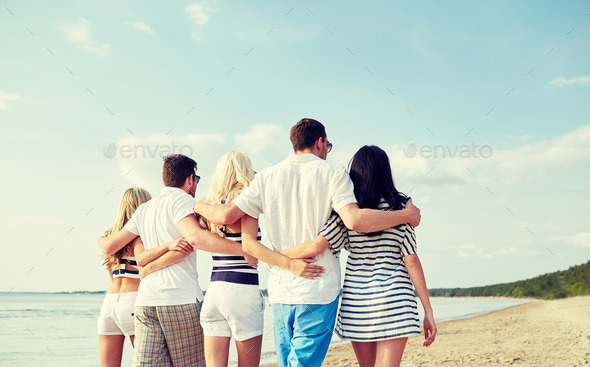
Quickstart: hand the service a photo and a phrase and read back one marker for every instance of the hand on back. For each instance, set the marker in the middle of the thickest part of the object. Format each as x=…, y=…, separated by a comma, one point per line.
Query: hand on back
x=181, y=245
x=251, y=260
x=305, y=268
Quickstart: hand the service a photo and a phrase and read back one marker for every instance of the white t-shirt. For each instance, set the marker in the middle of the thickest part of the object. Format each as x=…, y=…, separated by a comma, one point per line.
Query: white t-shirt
x=156, y=222
x=297, y=197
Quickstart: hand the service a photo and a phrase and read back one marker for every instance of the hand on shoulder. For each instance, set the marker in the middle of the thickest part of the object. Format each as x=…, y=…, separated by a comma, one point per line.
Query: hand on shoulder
x=413, y=213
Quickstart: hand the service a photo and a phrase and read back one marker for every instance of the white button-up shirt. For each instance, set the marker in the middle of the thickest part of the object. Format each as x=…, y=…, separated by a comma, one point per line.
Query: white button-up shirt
x=296, y=197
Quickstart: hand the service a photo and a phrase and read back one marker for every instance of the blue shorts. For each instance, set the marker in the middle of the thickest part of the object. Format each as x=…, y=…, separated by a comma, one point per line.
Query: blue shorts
x=303, y=332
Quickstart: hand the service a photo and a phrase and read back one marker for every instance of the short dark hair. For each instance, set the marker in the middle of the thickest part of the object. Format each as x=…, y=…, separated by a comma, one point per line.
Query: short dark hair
x=177, y=168
x=305, y=133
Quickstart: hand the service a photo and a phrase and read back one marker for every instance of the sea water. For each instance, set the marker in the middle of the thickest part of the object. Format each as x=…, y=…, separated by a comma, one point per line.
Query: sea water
x=57, y=329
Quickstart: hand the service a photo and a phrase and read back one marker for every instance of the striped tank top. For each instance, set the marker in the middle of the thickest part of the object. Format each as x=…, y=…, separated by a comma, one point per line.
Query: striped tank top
x=123, y=272
x=231, y=268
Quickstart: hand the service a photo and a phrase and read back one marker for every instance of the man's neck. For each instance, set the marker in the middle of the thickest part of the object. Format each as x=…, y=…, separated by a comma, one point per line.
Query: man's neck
x=306, y=151
x=183, y=188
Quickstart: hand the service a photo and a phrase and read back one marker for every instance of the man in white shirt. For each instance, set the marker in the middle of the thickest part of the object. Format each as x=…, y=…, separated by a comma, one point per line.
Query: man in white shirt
x=167, y=329
x=297, y=197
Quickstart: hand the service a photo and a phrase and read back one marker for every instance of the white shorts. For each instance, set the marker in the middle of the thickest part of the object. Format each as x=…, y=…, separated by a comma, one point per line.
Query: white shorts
x=233, y=309
x=117, y=314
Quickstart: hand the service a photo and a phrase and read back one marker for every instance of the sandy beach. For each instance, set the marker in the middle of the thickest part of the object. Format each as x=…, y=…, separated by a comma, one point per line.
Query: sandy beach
x=540, y=333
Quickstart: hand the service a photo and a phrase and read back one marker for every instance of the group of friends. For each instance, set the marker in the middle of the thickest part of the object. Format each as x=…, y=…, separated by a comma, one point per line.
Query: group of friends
x=312, y=210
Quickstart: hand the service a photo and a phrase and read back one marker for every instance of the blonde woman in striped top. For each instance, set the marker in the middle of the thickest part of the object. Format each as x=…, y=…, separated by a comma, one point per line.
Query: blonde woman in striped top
x=233, y=304
x=115, y=320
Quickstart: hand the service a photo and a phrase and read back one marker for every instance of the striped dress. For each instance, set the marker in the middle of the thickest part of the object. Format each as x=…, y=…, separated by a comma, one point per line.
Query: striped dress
x=231, y=268
x=378, y=301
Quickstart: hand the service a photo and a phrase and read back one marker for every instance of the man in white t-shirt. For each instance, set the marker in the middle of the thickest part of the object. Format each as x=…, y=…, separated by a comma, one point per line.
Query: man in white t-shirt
x=296, y=197
x=167, y=329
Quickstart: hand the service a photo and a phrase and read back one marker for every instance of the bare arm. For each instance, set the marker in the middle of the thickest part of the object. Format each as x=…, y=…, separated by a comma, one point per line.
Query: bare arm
x=110, y=245
x=143, y=256
x=308, y=249
x=219, y=213
x=206, y=241
x=373, y=220
x=166, y=259
x=417, y=275
x=250, y=244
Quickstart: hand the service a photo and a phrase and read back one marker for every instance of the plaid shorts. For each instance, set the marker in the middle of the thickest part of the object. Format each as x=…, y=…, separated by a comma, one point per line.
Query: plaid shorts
x=168, y=336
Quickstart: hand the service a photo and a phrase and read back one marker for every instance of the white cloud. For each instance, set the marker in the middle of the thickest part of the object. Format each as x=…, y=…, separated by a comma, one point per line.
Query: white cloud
x=340, y=156
x=462, y=255
x=470, y=250
x=425, y=170
x=547, y=157
x=467, y=246
x=505, y=251
x=79, y=34
x=458, y=164
x=141, y=26
x=261, y=137
x=6, y=97
x=424, y=199
x=264, y=143
x=140, y=157
x=579, y=239
x=476, y=254
x=200, y=15
x=561, y=81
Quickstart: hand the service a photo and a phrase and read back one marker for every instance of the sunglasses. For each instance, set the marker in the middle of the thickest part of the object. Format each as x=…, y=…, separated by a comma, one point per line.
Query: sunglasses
x=329, y=146
x=197, y=177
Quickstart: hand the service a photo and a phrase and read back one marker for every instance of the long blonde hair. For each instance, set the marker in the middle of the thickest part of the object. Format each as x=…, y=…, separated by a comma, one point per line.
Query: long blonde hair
x=232, y=175
x=132, y=198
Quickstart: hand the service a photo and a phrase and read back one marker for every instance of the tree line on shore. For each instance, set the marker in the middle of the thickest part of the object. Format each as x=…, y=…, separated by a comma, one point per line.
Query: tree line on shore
x=575, y=281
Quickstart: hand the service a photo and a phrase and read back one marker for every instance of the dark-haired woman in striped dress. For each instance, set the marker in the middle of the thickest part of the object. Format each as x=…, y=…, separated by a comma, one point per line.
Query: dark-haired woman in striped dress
x=378, y=311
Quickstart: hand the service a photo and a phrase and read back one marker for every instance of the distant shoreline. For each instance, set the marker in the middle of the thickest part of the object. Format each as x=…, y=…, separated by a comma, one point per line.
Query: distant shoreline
x=73, y=292
x=264, y=291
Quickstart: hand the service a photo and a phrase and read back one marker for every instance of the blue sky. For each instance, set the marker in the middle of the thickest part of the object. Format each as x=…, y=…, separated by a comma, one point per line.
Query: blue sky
x=92, y=93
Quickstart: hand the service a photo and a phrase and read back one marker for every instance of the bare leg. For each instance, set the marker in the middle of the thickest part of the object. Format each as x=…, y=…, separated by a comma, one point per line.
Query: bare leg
x=389, y=352
x=365, y=353
x=216, y=351
x=132, y=339
x=249, y=351
x=111, y=350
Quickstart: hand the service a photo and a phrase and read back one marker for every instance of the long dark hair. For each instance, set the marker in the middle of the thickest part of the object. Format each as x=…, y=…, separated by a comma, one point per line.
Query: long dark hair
x=370, y=172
